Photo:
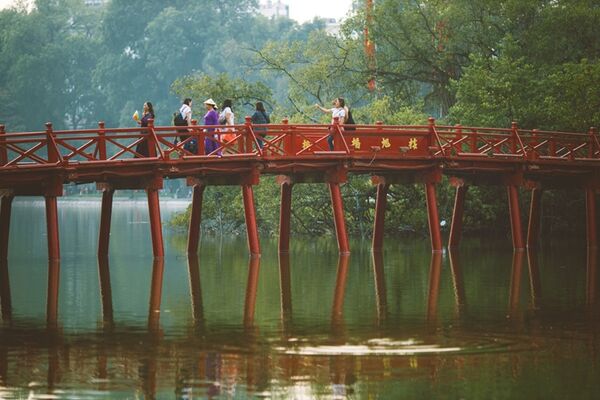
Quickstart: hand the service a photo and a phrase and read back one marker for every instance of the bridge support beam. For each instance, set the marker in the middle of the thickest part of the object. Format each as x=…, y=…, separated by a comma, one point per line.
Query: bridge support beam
x=515, y=217
x=155, y=223
x=5, y=299
x=105, y=290
x=457, y=215
x=250, y=214
x=158, y=269
x=338, y=217
x=433, y=217
x=285, y=213
x=105, y=219
x=5, y=212
x=52, y=227
x=195, y=219
x=535, y=215
x=590, y=206
x=251, y=291
x=380, y=206
x=52, y=295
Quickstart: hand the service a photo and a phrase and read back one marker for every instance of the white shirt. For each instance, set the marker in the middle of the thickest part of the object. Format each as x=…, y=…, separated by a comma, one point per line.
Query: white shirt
x=228, y=115
x=338, y=112
x=186, y=112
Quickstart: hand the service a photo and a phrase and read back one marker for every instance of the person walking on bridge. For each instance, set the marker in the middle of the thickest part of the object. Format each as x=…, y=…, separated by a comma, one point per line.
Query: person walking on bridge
x=148, y=114
x=211, y=118
x=339, y=111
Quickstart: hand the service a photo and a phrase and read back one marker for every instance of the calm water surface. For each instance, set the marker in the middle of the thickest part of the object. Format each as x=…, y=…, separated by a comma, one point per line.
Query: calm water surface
x=481, y=323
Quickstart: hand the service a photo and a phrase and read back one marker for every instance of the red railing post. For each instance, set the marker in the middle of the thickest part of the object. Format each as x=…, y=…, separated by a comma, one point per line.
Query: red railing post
x=473, y=141
x=196, y=133
x=514, y=136
x=248, y=135
x=3, y=149
x=151, y=139
x=337, y=140
x=431, y=127
x=458, y=133
x=591, y=145
x=288, y=139
x=533, y=153
x=53, y=155
x=101, y=140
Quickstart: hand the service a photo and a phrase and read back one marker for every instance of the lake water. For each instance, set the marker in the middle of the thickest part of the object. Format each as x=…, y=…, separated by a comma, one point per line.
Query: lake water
x=480, y=323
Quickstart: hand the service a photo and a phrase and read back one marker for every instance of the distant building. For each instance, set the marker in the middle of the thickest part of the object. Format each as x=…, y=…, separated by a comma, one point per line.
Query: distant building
x=274, y=9
x=95, y=3
x=332, y=26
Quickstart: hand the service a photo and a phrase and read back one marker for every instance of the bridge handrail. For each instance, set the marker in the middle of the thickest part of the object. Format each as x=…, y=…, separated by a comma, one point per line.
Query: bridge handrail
x=52, y=147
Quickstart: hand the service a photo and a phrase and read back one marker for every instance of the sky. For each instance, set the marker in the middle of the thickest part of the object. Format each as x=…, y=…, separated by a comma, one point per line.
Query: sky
x=306, y=10
x=300, y=10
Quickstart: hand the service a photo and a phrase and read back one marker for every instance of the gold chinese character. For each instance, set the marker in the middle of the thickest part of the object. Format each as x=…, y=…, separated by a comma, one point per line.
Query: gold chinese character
x=356, y=143
x=385, y=143
x=305, y=144
x=412, y=144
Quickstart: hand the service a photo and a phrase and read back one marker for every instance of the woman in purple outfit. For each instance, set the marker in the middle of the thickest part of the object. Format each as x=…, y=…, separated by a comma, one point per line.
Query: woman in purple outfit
x=211, y=118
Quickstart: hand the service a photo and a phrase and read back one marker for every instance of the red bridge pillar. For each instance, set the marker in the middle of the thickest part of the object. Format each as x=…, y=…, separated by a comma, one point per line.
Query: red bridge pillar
x=155, y=224
x=590, y=205
x=52, y=295
x=338, y=217
x=380, y=206
x=5, y=211
x=105, y=218
x=195, y=219
x=515, y=217
x=250, y=214
x=458, y=213
x=535, y=215
x=285, y=215
x=433, y=217
x=52, y=227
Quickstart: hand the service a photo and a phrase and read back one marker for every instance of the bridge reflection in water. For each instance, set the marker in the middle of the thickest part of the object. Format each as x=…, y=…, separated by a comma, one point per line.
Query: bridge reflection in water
x=39, y=163
x=209, y=360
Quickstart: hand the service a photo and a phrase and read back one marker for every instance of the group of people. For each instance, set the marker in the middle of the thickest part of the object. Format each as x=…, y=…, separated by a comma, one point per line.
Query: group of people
x=226, y=118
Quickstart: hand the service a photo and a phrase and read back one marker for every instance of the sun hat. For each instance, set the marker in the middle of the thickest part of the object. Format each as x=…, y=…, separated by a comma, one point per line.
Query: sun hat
x=210, y=101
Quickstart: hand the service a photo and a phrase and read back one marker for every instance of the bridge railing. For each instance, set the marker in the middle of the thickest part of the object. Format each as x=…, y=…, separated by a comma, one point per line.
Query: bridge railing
x=64, y=147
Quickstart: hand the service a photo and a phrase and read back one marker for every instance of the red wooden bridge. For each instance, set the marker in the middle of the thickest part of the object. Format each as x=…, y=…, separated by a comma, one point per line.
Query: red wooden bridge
x=39, y=163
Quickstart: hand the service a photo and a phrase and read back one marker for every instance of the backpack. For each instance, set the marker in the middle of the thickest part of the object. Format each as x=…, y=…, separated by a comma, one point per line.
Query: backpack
x=349, y=121
x=178, y=119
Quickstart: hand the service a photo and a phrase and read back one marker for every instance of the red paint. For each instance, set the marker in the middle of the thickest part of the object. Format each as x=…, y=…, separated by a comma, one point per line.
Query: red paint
x=195, y=219
x=52, y=228
x=5, y=212
x=515, y=217
x=250, y=214
x=380, y=206
x=590, y=204
x=285, y=217
x=155, y=223
x=535, y=215
x=457, y=216
x=433, y=218
x=338, y=218
x=105, y=219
